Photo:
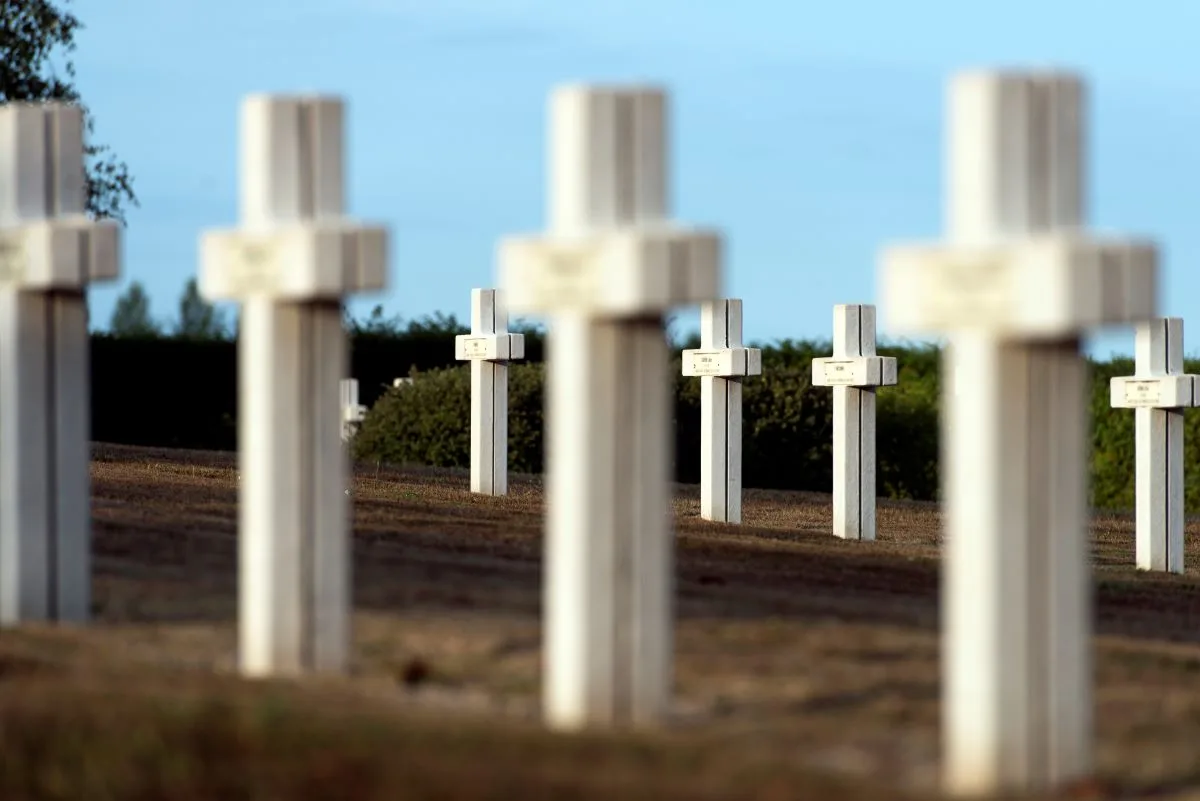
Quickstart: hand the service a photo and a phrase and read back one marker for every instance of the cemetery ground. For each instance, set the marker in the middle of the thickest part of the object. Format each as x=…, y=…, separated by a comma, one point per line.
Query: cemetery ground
x=807, y=667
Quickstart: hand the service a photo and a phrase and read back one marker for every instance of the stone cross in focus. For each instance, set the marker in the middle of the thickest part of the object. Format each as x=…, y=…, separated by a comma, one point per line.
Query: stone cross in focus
x=489, y=348
x=1159, y=391
x=854, y=371
x=722, y=363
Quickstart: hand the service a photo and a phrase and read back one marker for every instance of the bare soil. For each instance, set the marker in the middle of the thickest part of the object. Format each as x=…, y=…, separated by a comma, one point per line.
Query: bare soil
x=807, y=667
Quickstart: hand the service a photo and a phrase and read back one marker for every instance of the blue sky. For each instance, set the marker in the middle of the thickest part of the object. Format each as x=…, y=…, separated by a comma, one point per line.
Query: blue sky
x=809, y=132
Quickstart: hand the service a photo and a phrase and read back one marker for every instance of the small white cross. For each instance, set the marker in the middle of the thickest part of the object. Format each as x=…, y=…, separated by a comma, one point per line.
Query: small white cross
x=1159, y=391
x=722, y=362
x=489, y=348
x=854, y=371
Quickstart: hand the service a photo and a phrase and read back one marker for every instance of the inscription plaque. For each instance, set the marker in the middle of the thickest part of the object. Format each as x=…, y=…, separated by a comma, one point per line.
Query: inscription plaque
x=844, y=373
x=475, y=347
x=1143, y=393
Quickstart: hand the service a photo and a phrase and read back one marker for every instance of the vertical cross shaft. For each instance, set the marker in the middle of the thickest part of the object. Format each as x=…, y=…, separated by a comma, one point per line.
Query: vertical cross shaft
x=722, y=363
x=854, y=429
x=721, y=418
x=854, y=372
x=1158, y=392
x=1159, y=446
x=489, y=347
x=489, y=402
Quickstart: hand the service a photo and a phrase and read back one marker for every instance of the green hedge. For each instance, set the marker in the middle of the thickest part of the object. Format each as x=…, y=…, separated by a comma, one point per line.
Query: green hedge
x=787, y=422
x=1113, y=442
x=132, y=375
x=787, y=428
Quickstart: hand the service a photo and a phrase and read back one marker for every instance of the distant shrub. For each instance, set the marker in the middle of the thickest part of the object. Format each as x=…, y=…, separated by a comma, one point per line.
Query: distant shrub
x=428, y=422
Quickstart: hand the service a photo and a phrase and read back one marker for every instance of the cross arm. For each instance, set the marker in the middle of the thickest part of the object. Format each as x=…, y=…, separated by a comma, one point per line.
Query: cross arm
x=611, y=273
x=61, y=253
x=303, y=261
x=1052, y=285
x=854, y=371
x=1154, y=392
x=722, y=362
x=489, y=347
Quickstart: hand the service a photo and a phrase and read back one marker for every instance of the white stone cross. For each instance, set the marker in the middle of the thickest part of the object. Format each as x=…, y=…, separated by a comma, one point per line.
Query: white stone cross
x=50, y=250
x=606, y=273
x=489, y=347
x=1159, y=391
x=1015, y=288
x=722, y=363
x=854, y=371
x=353, y=412
x=289, y=265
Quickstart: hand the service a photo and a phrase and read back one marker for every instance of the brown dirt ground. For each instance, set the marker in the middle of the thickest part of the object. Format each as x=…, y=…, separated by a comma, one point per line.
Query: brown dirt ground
x=807, y=667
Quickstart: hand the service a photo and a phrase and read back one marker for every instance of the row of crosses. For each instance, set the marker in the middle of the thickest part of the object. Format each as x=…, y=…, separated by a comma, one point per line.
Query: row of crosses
x=1014, y=287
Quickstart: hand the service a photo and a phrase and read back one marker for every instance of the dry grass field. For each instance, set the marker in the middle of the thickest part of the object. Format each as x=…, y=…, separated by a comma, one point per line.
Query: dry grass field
x=806, y=667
